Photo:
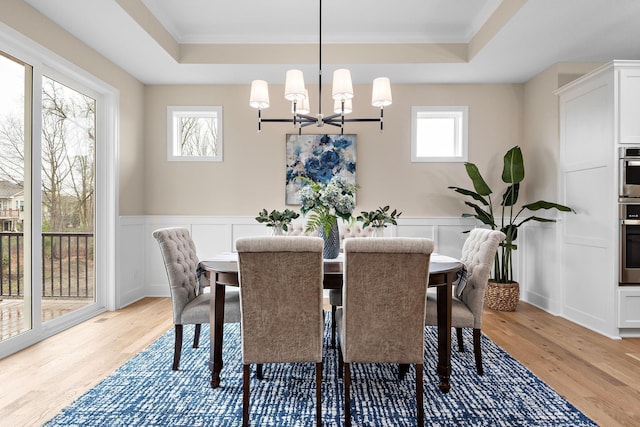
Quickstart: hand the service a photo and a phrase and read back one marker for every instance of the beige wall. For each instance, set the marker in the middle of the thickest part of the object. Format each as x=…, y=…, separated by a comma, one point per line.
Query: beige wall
x=252, y=175
x=26, y=20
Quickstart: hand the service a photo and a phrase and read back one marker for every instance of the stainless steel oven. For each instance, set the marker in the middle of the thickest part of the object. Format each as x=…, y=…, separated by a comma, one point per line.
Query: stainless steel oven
x=629, y=244
x=629, y=173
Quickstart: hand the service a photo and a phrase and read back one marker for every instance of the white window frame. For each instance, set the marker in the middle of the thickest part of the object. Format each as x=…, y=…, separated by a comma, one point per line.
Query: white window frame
x=174, y=113
x=459, y=113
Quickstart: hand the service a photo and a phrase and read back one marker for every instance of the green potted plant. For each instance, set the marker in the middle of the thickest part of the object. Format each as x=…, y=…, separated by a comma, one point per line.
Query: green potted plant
x=279, y=220
x=379, y=218
x=503, y=292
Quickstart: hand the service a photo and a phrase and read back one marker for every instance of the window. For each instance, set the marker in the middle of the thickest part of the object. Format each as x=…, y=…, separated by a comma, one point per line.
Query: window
x=439, y=134
x=194, y=134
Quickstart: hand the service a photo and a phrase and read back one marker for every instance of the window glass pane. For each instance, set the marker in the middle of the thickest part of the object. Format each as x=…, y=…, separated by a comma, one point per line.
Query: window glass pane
x=198, y=136
x=68, y=177
x=436, y=137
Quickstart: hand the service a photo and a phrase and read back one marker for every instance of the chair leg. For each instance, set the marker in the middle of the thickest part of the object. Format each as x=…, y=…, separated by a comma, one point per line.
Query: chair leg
x=340, y=362
x=246, y=373
x=419, y=394
x=460, y=341
x=347, y=399
x=319, y=394
x=333, y=326
x=196, y=336
x=477, y=350
x=177, y=349
x=259, y=371
x=403, y=368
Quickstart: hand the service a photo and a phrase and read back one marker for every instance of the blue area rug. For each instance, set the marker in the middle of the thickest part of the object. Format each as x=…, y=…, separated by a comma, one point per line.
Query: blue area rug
x=146, y=392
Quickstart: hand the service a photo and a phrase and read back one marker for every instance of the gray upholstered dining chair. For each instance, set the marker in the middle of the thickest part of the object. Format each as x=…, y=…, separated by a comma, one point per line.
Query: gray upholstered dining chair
x=478, y=253
x=282, y=319
x=190, y=302
x=347, y=231
x=382, y=317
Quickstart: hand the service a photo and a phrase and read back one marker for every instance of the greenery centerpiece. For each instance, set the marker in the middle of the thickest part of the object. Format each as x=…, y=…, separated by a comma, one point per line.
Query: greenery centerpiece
x=325, y=202
x=379, y=218
x=279, y=220
x=511, y=218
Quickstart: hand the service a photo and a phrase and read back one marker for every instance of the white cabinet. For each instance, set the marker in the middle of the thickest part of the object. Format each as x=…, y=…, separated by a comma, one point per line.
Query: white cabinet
x=629, y=106
x=629, y=300
x=598, y=112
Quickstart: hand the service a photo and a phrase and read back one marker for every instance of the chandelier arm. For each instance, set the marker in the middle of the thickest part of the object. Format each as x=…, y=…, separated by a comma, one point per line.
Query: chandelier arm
x=304, y=117
x=276, y=120
x=332, y=124
x=377, y=119
x=305, y=124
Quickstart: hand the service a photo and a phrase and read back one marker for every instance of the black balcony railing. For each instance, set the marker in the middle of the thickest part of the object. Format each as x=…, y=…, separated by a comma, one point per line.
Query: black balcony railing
x=67, y=265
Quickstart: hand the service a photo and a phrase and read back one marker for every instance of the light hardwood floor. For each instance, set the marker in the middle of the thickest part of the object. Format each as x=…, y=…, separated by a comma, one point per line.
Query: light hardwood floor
x=598, y=375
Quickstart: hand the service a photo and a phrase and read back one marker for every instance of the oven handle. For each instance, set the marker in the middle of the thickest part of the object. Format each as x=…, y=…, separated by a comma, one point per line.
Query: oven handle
x=630, y=221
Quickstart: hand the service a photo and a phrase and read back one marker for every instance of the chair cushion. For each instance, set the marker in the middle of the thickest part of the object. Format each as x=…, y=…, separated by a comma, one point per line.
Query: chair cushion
x=196, y=311
x=461, y=316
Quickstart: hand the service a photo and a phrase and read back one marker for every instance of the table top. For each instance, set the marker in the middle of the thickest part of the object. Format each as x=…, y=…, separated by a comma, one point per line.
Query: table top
x=227, y=262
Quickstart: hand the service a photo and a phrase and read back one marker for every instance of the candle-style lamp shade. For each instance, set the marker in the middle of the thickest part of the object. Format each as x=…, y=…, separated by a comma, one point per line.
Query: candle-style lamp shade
x=302, y=107
x=381, y=92
x=259, y=97
x=342, y=87
x=294, y=86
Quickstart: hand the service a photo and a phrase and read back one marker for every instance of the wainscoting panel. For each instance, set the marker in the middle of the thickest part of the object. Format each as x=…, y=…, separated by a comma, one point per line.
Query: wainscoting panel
x=130, y=259
x=539, y=261
x=141, y=269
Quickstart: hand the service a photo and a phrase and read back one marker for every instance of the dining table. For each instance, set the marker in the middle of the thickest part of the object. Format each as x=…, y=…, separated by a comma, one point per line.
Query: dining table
x=222, y=271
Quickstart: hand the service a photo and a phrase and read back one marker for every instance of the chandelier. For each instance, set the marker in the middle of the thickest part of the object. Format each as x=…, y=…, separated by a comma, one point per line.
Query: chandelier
x=342, y=93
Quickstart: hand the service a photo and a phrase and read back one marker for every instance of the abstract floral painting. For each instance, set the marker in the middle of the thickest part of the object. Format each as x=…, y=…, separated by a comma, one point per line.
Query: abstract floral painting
x=319, y=158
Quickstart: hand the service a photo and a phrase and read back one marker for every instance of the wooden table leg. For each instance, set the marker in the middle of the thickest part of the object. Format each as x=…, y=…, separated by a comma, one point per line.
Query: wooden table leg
x=444, y=334
x=216, y=331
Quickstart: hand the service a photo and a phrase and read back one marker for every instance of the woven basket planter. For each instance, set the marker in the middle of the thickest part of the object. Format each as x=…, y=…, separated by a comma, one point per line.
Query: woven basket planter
x=502, y=296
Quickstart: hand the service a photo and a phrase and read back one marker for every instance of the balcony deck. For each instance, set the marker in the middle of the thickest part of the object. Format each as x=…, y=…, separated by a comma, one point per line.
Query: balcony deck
x=12, y=312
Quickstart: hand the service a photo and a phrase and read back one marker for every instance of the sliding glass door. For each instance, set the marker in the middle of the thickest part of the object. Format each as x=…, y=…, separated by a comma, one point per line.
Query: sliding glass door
x=50, y=143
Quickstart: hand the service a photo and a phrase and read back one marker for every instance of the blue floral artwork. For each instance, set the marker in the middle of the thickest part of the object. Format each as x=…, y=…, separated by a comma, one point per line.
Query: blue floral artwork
x=319, y=158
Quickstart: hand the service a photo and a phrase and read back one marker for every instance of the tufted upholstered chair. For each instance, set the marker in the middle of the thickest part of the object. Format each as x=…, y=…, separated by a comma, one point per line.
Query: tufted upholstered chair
x=478, y=253
x=281, y=305
x=190, y=303
x=382, y=317
x=335, y=295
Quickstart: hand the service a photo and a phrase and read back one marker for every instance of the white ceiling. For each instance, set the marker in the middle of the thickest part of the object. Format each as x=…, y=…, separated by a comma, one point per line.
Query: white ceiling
x=539, y=34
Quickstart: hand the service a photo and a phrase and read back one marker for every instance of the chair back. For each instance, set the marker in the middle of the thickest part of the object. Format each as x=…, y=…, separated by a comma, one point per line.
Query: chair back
x=478, y=254
x=181, y=262
x=281, y=298
x=384, y=297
